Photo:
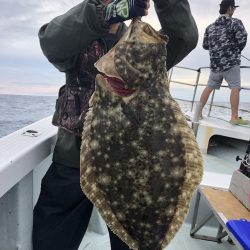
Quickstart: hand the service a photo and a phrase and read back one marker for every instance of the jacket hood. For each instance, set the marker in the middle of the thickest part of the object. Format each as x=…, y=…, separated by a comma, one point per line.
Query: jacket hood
x=223, y=19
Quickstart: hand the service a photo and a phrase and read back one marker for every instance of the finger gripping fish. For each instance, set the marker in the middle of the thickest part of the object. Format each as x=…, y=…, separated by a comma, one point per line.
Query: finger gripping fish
x=140, y=162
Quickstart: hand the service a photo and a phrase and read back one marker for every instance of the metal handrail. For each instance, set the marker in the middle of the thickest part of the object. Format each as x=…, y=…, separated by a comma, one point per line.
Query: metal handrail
x=197, y=83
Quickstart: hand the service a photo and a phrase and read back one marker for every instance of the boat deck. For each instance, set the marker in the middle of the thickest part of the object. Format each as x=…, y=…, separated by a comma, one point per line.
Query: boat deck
x=212, y=126
x=182, y=241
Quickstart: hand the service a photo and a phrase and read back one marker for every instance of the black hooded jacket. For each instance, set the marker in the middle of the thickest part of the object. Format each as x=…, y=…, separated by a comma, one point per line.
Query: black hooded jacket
x=66, y=39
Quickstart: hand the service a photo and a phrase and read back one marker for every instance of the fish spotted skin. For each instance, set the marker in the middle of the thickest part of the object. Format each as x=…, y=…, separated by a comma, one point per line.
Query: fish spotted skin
x=140, y=162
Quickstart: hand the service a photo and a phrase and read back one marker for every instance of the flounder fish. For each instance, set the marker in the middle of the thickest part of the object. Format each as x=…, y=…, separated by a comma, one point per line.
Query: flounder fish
x=140, y=162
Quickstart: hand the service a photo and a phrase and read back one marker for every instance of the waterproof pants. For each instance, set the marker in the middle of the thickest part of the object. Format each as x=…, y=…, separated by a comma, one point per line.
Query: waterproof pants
x=62, y=213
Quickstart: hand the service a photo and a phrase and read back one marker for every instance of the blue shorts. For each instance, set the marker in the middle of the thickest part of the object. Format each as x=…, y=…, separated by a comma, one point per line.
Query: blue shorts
x=231, y=76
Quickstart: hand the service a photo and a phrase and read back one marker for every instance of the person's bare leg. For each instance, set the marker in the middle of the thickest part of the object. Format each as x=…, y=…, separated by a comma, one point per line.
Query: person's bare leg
x=204, y=97
x=200, y=105
x=234, y=100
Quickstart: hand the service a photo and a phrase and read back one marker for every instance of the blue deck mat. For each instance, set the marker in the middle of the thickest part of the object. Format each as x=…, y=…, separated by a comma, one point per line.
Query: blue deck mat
x=241, y=230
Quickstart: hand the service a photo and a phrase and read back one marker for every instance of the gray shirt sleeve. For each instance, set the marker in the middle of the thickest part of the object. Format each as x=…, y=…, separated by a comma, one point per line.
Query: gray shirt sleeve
x=65, y=36
x=178, y=23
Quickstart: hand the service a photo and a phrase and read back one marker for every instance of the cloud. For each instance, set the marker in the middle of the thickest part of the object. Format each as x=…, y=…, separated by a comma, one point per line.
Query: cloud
x=24, y=89
x=20, y=21
x=21, y=59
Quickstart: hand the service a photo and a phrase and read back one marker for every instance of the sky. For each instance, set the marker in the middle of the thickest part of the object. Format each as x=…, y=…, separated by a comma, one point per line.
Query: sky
x=25, y=70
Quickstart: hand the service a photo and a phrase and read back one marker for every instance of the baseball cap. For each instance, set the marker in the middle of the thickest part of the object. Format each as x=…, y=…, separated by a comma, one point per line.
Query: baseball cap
x=228, y=3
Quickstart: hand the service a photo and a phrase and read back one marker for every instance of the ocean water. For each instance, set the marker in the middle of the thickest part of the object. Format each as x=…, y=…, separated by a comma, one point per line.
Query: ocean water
x=17, y=111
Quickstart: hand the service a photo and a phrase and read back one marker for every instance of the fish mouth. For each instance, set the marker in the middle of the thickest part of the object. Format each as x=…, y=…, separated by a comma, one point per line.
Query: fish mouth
x=110, y=79
x=117, y=85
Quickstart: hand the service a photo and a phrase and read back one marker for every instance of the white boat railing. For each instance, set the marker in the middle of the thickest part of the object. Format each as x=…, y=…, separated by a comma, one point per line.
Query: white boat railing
x=23, y=150
x=22, y=154
x=197, y=82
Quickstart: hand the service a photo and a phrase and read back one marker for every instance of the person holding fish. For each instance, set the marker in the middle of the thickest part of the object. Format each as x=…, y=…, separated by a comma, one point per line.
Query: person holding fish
x=73, y=42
